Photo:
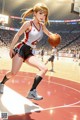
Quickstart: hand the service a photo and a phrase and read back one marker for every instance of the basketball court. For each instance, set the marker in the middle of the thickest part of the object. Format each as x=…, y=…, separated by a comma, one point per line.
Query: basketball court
x=60, y=90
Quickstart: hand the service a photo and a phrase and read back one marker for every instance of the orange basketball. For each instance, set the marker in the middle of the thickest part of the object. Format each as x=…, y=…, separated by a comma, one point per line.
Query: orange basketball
x=54, y=40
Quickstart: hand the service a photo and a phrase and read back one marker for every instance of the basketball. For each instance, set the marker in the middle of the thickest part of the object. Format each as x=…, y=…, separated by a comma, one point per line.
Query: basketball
x=54, y=40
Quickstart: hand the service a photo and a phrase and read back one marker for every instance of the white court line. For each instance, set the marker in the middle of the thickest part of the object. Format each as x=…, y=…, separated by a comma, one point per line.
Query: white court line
x=63, y=86
x=63, y=106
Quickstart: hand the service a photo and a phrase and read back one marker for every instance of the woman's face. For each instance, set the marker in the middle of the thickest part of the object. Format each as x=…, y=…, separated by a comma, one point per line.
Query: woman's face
x=40, y=16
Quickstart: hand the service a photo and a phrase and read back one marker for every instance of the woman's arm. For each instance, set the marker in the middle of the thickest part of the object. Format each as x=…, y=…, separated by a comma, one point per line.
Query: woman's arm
x=46, y=31
x=19, y=33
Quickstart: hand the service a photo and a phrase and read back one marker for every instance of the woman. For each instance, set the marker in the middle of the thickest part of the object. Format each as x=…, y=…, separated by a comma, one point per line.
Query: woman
x=33, y=31
x=51, y=58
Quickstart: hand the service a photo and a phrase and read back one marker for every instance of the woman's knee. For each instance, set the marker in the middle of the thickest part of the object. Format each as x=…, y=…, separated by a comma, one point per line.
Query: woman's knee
x=13, y=73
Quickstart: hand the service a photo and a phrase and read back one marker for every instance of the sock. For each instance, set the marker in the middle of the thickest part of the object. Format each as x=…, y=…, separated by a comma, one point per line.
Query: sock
x=4, y=80
x=36, y=82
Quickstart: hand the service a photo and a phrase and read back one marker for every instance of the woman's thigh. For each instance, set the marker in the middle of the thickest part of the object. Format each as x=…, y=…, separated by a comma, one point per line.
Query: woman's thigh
x=16, y=63
x=34, y=61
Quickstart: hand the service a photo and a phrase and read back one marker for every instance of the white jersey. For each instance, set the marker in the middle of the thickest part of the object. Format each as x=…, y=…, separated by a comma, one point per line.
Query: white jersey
x=33, y=36
x=54, y=51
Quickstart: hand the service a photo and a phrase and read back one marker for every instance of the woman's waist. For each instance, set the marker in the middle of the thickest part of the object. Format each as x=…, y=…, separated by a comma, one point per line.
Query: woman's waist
x=20, y=44
x=29, y=44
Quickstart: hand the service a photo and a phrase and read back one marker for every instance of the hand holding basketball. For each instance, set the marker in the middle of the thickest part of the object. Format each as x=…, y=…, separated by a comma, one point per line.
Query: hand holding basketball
x=54, y=39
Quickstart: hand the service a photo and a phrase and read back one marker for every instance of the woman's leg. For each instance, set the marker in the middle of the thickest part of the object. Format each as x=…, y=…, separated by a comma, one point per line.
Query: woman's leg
x=52, y=64
x=35, y=62
x=42, y=70
x=46, y=62
x=16, y=64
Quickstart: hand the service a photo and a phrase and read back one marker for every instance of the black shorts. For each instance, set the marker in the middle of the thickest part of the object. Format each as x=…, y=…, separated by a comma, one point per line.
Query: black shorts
x=23, y=50
x=51, y=58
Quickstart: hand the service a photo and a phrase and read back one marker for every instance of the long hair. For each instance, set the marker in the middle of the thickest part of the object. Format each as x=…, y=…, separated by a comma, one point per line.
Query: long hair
x=36, y=8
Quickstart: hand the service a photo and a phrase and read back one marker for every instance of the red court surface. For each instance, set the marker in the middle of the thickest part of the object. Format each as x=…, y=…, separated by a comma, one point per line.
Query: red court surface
x=61, y=98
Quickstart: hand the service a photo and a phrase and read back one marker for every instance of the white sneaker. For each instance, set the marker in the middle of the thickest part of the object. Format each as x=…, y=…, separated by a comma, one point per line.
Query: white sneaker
x=1, y=88
x=33, y=95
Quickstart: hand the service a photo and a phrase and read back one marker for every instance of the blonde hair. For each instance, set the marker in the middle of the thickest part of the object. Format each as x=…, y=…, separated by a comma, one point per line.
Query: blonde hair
x=36, y=8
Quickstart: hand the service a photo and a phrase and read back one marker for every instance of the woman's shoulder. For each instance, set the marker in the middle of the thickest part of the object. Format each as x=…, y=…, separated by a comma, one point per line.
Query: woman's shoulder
x=26, y=25
x=27, y=22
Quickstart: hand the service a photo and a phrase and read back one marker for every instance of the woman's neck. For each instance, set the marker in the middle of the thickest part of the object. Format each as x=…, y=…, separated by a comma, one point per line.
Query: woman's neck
x=36, y=21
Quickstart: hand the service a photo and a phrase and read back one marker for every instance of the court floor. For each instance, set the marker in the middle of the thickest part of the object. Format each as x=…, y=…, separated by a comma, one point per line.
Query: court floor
x=60, y=90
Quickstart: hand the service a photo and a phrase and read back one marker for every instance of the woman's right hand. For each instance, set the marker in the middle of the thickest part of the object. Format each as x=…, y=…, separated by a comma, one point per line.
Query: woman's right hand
x=11, y=53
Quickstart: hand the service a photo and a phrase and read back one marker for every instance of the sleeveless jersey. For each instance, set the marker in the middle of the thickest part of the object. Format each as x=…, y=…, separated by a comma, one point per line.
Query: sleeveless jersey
x=33, y=36
x=54, y=51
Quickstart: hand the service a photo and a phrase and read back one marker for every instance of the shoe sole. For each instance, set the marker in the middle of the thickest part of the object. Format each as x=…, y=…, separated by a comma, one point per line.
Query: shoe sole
x=34, y=98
